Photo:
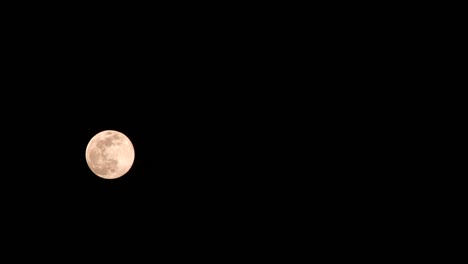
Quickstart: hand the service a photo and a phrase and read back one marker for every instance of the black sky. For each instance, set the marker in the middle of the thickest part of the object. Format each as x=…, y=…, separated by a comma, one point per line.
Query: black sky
x=194, y=100
x=242, y=118
x=194, y=123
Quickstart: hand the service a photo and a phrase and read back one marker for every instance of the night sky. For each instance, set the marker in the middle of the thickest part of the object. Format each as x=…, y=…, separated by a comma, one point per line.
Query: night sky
x=200, y=167
x=252, y=127
x=199, y=140
x=196, y=106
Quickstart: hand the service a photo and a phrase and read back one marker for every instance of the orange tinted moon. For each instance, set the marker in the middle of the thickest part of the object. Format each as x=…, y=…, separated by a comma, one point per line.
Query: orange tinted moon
x=110, y=154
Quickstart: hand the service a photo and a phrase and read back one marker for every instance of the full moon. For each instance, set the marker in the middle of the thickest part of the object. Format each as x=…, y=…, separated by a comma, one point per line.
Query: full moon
x=110, y=154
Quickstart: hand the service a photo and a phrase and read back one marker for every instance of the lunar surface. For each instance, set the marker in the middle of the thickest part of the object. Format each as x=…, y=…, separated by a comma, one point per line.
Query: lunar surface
x=110, y=154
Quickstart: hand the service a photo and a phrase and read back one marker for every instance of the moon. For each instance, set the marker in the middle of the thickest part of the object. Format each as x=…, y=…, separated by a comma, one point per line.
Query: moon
x=110, y=154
